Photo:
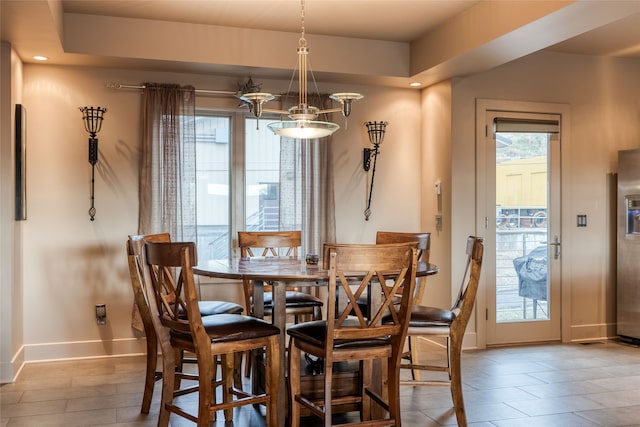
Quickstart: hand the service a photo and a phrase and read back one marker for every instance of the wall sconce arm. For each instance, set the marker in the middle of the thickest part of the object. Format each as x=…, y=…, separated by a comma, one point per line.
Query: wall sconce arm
x=367, y=154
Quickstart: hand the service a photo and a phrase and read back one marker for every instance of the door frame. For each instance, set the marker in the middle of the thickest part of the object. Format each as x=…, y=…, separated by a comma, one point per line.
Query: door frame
x=482, y=106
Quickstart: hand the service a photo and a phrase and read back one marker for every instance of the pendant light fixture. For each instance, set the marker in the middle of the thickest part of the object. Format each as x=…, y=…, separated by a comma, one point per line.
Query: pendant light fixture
x=302, y=123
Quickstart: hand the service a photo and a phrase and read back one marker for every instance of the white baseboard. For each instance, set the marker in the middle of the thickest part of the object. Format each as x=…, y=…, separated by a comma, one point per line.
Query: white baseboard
x=593, y=332
x=9, y=371
x=84, y=349
x=470, y=341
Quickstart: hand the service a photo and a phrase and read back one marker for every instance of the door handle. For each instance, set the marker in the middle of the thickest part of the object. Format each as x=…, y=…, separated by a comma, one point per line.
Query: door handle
x=556, y=247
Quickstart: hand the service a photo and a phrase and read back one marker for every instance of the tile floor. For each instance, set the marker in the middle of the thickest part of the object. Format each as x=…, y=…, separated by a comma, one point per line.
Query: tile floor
x=539, y=385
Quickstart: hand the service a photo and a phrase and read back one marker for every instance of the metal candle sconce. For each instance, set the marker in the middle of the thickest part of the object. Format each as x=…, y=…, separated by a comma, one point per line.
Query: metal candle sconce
x=92, y=117
x=376, y=132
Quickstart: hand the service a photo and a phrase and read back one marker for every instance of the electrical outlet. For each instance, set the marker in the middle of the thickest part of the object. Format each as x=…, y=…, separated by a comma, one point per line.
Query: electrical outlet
x=101, y=314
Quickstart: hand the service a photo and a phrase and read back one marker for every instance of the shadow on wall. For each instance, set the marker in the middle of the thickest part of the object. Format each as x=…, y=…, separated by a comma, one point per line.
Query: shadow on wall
x=77, y=279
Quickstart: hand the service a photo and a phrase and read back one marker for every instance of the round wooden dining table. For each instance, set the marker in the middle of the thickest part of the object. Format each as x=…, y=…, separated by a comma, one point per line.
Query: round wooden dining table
x=278, y=272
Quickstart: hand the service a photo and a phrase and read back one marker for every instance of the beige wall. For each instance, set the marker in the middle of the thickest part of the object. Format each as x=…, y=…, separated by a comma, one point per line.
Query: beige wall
x=436, y=166
x=11, y=307
x=395, y=204
x=604, y=99
x=72, y=263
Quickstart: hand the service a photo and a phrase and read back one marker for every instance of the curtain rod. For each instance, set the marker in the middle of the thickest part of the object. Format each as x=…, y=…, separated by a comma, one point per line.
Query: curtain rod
x=198, y=91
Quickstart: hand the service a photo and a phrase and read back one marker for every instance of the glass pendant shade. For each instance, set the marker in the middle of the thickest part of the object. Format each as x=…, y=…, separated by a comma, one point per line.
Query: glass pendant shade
x=300, y=129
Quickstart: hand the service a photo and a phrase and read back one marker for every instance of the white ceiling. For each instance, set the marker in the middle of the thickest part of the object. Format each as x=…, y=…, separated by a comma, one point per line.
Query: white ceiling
x=442, y=39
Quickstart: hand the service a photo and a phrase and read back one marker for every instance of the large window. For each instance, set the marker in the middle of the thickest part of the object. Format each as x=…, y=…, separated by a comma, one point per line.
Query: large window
x=262, y=177
x=238, y=171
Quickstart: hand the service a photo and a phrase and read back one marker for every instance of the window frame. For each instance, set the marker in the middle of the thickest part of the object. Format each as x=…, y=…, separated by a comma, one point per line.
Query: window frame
x=237, y=168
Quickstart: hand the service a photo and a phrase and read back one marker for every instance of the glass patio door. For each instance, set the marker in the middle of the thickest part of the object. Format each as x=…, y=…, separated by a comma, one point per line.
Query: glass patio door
x=523, y=196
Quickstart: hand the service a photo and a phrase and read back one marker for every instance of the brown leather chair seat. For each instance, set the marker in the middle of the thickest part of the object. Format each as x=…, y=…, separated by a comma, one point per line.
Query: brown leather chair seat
x=210, y=308
x=294, y=300
x=315, y=333
x=422, y=316
x=231, y=328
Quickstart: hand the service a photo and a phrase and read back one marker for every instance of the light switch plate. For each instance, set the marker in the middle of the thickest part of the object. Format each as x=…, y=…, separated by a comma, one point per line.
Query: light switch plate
x=581, y=220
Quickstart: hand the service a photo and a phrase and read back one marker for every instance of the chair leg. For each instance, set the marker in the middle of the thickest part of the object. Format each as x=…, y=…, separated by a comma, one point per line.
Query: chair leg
x=393, y=378
x=328, y=381
x=178, y=364
x=367, y=383
x=150, y=377
x=449, y=346
x=205, y=392
x=248, y=355
x=237, y=368
x=168, y=386
x=456, y=384
x=272, y=379
x=228, y=379
x=413, y=357
x=294, y=384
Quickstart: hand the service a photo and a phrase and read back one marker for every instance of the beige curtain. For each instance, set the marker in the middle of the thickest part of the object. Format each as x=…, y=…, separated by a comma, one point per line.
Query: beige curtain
x=167, y=174
x=306, y=185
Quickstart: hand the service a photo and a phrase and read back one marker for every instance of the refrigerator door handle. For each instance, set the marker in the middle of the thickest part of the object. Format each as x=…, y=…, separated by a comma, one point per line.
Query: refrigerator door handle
x=556, y=247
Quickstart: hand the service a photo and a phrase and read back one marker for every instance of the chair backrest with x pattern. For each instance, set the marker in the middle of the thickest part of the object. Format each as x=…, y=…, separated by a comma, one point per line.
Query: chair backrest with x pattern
x=386, y=270
x=163, y=266
x=271, y=243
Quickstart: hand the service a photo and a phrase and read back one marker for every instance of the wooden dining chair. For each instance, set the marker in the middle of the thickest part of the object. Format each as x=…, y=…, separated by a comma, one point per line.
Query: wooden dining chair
x=430, y=322
x=348, y=335
x=207, y=337
x=135, y=253
x=157, y=335
x=423, y=240
x=276, y=243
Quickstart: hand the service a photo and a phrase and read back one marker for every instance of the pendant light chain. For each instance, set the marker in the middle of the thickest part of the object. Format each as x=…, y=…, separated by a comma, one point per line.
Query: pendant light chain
x=302, y=63
x=302, y=18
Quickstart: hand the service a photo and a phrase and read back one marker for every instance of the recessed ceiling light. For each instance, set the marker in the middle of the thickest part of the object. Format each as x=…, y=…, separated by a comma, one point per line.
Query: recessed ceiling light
x=40, y=58
x=415, y=84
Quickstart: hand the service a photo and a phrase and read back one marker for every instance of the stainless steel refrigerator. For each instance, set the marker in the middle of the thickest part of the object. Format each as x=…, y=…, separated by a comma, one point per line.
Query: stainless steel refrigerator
x=629, y=245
